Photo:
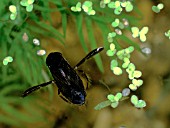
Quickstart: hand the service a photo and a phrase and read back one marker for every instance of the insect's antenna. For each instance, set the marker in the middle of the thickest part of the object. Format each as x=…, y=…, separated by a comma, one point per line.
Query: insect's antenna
x=34, y=88
x=88, y=56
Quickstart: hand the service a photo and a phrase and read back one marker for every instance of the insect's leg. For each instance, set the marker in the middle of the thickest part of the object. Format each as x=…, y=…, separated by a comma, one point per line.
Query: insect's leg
x=103, y=83
x=88, y=56
x=86, y=77
x=34, y=88
x=62, y=97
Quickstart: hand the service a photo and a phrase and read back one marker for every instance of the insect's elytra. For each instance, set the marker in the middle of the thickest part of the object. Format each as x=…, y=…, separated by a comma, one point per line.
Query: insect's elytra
x=69, y=84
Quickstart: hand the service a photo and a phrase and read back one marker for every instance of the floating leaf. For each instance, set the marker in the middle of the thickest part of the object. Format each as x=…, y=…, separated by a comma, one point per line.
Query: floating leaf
x=103, y=105
x=129, y=6
x=133, y=87
x=118, y=96
x=140, y=104
x=112, y=5
x=131, y=68
x=126, y=62
x=137, y=74
x=118, y=10
x=7, y=60
x=13, y=16
x=106, y=1
x=125, y=65
x=110, y=52
x=102, y=4
x=12, y=8
x=110, y=36
x=113, y=64
x=134, y=99
x=29, y=8
x=130, y=75
x=112, y=46
x=111, y=97
x=123, y=4
x=87, y=3
x=160, y=6
x=117, y=71
x=130, y=49
x=87, y=7
x=24, y=2
x=115, y=23
x=137, y=83
x=120, y=54
x=137, y=103
x=76, y=8
x=30, y=1
x=91, y=12
x=135, y=32
x=117, y=4
x=157, y=8
x=167, y=34
x=141, y=34
x=114, y=104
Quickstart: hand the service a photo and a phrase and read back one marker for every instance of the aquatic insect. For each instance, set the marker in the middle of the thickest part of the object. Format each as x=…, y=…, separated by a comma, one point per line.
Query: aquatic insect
x=65, y=77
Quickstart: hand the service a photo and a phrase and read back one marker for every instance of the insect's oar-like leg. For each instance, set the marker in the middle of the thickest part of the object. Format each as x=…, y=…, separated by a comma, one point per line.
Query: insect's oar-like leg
x=34, y=88
x=88, y=56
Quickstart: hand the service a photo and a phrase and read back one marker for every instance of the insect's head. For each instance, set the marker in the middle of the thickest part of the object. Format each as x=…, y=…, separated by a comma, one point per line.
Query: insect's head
x=78, y=97
x=54, y=59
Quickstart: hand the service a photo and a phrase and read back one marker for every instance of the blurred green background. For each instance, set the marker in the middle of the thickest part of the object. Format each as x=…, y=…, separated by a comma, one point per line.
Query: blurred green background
x=74, y=34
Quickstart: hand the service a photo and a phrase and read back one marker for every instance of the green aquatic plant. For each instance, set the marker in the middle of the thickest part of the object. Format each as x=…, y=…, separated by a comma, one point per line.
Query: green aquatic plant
x=13, y=10
x=28, y=4
x=158, y=8
x=140, y=33
x=137, y=103
x=25, y=21
x=123, y=57
x=7, y=60
x=167, y=34
x=113, y=101
x=86, y=7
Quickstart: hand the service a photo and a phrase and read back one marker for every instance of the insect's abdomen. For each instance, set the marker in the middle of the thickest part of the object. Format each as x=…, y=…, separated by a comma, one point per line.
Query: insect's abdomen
x=66, y=78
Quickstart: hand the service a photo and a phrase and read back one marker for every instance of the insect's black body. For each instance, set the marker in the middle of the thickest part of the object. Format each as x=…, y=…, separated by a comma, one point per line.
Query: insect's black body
x=65, y=77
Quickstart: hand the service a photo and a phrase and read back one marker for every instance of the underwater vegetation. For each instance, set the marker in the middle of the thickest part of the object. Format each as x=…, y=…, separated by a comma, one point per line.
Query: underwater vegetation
x=127, y=82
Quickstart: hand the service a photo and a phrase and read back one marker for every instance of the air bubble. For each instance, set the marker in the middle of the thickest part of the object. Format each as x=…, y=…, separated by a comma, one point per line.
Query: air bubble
x=36, y=41
x=25, y=37
x=146, y=50
x=125, y=91
x=41, y=52
x=118, y=31
x=125, y=22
